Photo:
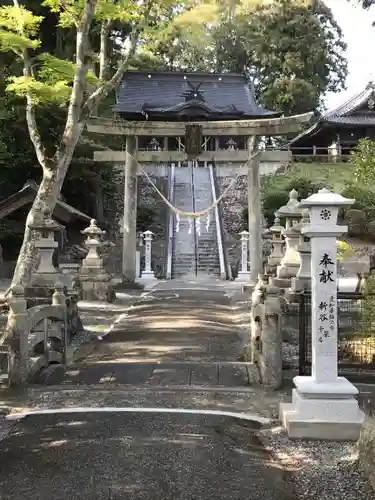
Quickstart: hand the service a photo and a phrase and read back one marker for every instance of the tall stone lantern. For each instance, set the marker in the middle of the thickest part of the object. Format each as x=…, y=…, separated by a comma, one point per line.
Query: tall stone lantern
x=44, y=278
x=95, y=281
x=302, y=281
x=290, y=263
x=277, y=241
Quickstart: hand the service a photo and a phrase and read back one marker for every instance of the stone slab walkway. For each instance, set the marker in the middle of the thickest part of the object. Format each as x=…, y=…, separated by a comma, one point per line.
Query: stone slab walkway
x=181, y=334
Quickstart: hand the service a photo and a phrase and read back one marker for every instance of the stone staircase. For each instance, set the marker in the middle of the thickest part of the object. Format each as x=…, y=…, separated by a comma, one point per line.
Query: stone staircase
x=208, y=261
x=196, y=253
x=183, y=252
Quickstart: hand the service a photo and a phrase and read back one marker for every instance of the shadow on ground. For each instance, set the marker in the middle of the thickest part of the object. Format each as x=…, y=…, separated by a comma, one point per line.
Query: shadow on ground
x=164, y=327
x=113, y=455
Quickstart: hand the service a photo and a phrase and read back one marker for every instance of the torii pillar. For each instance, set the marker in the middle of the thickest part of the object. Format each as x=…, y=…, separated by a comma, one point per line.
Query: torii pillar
x=254, y=211
x=129, y=251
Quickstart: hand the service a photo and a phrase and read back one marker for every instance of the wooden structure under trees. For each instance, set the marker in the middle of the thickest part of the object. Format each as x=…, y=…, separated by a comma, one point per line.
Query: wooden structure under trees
x=337, y=132
x=180, y=117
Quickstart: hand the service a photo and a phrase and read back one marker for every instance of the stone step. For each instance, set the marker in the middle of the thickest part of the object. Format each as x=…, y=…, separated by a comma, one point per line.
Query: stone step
x=150, y=374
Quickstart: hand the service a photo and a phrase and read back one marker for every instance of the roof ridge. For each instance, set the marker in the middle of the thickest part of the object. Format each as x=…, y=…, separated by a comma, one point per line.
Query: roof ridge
x=351, y=104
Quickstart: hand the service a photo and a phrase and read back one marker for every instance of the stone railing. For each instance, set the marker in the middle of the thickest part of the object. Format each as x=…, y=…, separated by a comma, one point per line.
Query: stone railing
x=170, y=231
x=224, y=274
x=36, y=336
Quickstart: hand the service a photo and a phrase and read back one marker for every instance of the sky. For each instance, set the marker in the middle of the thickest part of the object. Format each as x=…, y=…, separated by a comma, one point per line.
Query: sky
x=360, y=38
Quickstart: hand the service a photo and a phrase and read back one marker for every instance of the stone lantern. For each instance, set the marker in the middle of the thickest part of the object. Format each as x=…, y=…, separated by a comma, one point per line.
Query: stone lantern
x=148, y=273
x=244, y=274
x=95, y=281
x=324, y=405
x=302, y=281
x=277, y=241
x=46, y=274
x=291, y=261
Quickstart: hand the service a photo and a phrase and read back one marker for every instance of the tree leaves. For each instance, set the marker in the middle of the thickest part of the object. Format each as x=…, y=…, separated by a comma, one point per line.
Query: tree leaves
x=363, y=159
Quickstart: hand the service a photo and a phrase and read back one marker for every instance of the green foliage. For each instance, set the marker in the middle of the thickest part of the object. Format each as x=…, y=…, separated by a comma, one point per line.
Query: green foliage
x=146, y=217
x=293, y=50
x=368, y=307
x=344, y=250
x=275, y=197
x=363, y=160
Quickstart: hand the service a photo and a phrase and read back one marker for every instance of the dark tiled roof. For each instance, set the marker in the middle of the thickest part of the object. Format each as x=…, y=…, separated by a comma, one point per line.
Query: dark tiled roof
x=343, y=114
x=351, y=120
x=162, y=94
x=27, y=195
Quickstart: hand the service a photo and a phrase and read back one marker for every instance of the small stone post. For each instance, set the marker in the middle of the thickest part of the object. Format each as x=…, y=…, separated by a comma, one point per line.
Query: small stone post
x=95, y=281
x=59, y=299
x=290, y=262
x=70, y=272
x=138, y=255
x=148, y=273
x=270, y=359
x=277, y=246
x=324, y=405
x=244, y=274
x=18, y=340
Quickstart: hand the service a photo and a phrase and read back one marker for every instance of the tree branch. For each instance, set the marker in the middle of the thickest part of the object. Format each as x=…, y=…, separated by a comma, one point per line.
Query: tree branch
x=103, y=89
x=67, y=145
x=32, y=125
x=106, y=86
x=82, y=47
x=103, y=56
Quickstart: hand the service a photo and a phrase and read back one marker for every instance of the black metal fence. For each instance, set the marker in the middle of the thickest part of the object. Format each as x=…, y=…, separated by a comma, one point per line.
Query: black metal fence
x=356, y=333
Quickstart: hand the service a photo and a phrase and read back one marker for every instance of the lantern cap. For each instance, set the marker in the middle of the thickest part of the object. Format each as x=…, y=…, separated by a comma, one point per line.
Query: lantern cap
x=325, y=197
x=93, y=229
x=292, y=208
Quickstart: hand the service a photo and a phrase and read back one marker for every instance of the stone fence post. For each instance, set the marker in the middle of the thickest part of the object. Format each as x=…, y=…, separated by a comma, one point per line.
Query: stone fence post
x=59, y=299
x=18, y=340
x=265, y=348
x=324, y=405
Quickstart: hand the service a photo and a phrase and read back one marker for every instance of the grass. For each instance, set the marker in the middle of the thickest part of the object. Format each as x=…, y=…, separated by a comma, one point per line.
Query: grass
x=335, y=175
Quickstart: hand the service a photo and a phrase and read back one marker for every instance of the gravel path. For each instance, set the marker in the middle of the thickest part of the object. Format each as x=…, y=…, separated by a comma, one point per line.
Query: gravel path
x=319, y=470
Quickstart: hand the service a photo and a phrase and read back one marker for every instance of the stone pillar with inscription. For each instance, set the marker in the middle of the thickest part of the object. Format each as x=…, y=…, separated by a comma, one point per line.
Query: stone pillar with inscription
x=244, y=273
x=324, y=405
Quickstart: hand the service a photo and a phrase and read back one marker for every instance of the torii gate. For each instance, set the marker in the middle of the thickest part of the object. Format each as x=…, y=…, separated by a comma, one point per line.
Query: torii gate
x=253, y=129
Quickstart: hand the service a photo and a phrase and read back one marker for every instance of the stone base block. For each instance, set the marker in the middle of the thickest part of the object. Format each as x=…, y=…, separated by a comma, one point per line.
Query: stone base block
x=281, y=282
x=248, y=287
x=323, y=411
x=298, y=428
x=299, y=284
x=243, y=276
x=287, y=271
x=94, y=291
x=148, y=276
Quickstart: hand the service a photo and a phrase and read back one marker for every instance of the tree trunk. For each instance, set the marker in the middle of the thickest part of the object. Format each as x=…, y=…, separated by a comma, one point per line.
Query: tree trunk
x=47, y=195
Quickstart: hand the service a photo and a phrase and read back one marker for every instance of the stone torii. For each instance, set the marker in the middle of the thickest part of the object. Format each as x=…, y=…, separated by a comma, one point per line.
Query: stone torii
x=253, y=129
